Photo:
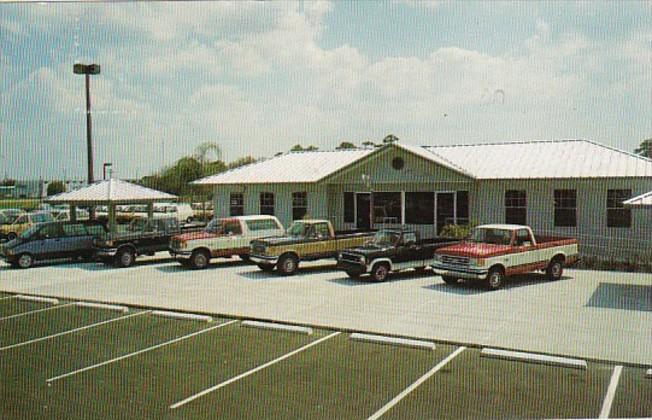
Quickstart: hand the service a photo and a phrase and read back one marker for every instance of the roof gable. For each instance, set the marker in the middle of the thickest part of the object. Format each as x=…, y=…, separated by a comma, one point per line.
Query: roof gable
x=111, y=190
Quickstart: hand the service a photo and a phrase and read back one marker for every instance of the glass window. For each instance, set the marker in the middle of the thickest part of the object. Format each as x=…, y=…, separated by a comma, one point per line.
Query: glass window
x=299, y=205
x=321, y=230
x=236, y=204
x=267, y=203
x=565, y=208
x=76, y=229
x=95, y=230
x=523, y=237
x=409, y=237
x=262, y=224
x=349, y=207
x=52, y=230
x=387, y=207
x=515, y=207
x=462, y=205
x=420, y=208
x=617, y=215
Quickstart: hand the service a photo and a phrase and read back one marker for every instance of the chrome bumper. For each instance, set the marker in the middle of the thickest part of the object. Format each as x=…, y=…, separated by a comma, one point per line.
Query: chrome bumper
x=262, y=259
x=106, y=252
x=460, y=272
x=181, y=255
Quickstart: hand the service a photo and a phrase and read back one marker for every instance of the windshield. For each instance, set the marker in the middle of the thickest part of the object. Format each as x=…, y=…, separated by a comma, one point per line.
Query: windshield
x=385, y=238
x=224, y=227
x=29, y=232
x=491, y=236
x=3, y=219
x=297, y=229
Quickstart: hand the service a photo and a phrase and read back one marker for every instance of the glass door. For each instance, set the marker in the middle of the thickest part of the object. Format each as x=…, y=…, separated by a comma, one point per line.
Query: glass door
x=363, y=211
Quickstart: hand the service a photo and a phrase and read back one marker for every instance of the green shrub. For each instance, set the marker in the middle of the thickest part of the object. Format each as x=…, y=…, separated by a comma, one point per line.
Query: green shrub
x=456, y=231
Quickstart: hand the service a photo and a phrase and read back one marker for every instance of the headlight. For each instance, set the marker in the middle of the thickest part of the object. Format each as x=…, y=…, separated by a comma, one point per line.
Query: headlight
x=436, y=258
x=339, y=255
x=477, y=262
x=363, y=260
x=108, y=243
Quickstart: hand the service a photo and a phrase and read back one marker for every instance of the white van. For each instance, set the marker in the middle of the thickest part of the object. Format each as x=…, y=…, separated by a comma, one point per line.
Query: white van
x=182, y=211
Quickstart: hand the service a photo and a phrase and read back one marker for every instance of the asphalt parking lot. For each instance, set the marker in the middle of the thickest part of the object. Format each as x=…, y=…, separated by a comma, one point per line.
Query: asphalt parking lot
x=65, y=361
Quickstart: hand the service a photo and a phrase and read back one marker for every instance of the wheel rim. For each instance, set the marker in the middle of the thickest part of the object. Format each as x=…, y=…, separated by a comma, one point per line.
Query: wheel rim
x=25, y=261
x=289, y=265
x=126, y=258
x=556, y=270
x=381, y=272
x=200, y=260
x=495, y=279
x=11, y=236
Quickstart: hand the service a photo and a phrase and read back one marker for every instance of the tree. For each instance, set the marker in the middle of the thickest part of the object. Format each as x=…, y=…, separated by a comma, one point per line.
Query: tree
x=56, y=187
x=389, y=139
x=300, y=148
x=368, y=143
x=203, y=151
x=346, y=145
x=241, y=162
x=645, y=148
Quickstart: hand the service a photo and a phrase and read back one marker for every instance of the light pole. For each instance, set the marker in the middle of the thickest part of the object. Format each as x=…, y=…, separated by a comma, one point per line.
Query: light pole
x=87, y=70
x=106, y=164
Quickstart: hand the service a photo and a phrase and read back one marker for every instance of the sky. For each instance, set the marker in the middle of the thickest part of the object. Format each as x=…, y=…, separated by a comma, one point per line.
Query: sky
x=259, y=77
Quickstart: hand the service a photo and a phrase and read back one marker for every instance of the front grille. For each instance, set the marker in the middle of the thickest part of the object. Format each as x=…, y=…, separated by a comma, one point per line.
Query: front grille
x=454, y=260
x=351, y=258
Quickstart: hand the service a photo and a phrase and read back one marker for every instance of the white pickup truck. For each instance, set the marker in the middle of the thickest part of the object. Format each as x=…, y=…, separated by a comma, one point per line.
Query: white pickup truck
x=493, y=252
x=223, y=238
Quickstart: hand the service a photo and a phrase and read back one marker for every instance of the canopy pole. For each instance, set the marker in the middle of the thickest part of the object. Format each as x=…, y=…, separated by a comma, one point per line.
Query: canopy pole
x=112, y=218
x=150, y=211
x=73, y=213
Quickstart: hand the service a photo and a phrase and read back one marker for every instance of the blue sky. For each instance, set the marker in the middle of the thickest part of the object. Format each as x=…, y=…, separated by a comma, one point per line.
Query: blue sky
x=259, y=77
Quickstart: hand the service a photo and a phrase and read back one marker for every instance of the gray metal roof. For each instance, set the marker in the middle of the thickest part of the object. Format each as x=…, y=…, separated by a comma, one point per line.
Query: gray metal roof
x=111, y=191
x=643, y=200
x=545, y=159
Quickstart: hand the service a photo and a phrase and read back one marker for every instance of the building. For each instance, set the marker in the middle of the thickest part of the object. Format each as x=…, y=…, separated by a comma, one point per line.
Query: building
x=570, y=188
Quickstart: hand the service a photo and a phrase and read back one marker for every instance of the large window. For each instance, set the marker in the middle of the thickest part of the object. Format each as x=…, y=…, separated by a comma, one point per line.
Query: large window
x=387, y=207
x=349, y=207
x=420, y=208
x=565, y=208
x=515, y=207
x=267, y=203
x=299, y=205
x=236, y=204
x=462, y=206
x=617, y=215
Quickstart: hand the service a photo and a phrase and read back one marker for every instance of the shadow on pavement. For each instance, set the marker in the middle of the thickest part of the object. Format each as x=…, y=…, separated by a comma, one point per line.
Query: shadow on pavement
x=394, y=277
x=258, y=274
x=474, y=287
x=632, y=297
x=177, y=268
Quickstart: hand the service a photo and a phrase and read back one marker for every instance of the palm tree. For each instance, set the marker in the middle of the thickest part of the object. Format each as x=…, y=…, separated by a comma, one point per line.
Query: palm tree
x=203, y=151
x=645, y=148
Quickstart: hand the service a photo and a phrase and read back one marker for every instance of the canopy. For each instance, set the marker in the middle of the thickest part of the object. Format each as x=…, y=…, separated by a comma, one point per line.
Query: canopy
x=643, y=200
x=110, y=191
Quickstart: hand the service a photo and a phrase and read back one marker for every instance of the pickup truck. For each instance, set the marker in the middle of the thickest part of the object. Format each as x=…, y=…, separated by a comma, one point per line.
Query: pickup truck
x=306, y=240
x=223, y=238
x=493, y=252
x=390, y=250
x=143, y=236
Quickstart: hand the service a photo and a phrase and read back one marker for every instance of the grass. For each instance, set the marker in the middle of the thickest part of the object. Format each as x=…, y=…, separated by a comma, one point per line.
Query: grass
x=10, y=307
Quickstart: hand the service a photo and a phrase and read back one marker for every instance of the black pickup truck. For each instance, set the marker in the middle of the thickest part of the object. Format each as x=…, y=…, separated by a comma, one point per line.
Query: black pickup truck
x=143, y=237
x=390, y=250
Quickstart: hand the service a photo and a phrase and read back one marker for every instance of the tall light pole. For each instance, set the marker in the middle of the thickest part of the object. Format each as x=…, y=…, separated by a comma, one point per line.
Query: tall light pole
x=87, y=70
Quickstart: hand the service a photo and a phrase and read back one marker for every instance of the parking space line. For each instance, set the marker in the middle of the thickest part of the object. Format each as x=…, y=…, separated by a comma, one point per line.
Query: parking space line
x=611, y=392
x=36, y=311
x=97, y=324
x=416, y=384
x=136, y=353
x=252, y=371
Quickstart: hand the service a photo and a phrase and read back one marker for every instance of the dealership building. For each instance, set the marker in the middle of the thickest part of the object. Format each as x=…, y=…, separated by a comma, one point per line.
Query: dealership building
x=567, y=188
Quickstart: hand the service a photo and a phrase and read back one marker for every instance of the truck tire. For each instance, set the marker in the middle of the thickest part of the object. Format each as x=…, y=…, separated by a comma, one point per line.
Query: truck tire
x=354, y=274
x=266, y=267
x=199, y=259
x=288, y=265
x=125, y=258
x=11, y=236
x=244, y=257
x=25, y=260
x=450, y=280
x=555, y=269
x=380, y=272
x=495, y=278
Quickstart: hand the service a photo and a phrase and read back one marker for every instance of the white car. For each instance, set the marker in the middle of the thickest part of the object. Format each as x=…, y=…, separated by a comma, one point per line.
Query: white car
x=182, y=211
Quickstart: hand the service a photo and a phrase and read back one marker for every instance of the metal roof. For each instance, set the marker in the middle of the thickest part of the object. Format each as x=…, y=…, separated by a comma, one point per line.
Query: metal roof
x=643, y=200
x=544, y=159
x=111, y=191
x=293, y=167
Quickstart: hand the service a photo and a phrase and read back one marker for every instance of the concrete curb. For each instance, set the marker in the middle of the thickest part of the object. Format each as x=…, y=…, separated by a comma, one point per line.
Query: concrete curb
x=182, y=315
x=38, y=299
x=94, y=305
x=405, y=342
x=534, y=358
x=275, y=326
x=648, y=374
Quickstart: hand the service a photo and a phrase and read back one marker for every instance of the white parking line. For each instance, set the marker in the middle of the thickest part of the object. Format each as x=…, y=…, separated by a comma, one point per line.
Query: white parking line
x=611, y=392
x=126, y=356
x=97, y=324
x=416, y=384
x=250, y=372
x=36, y=311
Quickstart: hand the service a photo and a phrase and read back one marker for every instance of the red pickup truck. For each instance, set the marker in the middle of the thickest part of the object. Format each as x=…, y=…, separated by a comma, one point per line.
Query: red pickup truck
x=493, y=252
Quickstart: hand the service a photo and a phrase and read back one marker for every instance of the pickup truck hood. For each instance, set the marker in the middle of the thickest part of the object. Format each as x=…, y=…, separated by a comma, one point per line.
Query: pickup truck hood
x=474, y=250
x=279, y=240
x=193, y=236
x=367, y=250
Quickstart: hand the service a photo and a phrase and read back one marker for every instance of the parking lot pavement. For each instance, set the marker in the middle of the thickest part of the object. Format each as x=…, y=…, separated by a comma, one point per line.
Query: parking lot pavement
x=587, y=314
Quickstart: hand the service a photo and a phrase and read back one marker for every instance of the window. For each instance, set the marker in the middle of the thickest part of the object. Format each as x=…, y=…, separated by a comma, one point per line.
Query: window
x=349, y=208
x=267, y=203
x=398, y=163
x=462, y=206
x=76, y=229
x=51, y=231
x=409, y=238
x=515, y=207
x=617, y=215
x=565, y=208
x=523, y=238
x=321, y=230
x=95, y=229
x=420, y=208
x=387, y=207
x=262, y=224
x=299, y=205
x=236, y=204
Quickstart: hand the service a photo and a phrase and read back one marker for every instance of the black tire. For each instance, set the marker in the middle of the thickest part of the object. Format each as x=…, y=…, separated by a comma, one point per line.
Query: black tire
x=353, y=274
x=266, y=267
x=450, y=280
x=244, y=257
x=495, y=279
x=555, y=269
x=125, y=258
x=199, y=259
x=88, y=257
x=184, y=263
x=380, y=272
x=25, y=261
x=288, y=265
x=11, y=236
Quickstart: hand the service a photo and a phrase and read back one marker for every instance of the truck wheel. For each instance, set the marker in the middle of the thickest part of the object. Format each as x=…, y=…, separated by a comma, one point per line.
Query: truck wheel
x=125, y=258
x=380, y=272
x=266, y=267
x=244, y=257
x=555, y=270
x=199, y=259
x=288, y=265
x=495, y=279
x=353, y=274
x=25, y=260
x=450, y=280
x=11, y=236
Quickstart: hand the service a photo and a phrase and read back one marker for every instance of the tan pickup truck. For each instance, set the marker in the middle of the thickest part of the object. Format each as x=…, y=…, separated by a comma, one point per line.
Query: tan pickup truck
x=306, y=240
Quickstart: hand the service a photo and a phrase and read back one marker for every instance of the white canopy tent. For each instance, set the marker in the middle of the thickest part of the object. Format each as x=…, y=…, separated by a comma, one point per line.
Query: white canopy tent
x=643, y=200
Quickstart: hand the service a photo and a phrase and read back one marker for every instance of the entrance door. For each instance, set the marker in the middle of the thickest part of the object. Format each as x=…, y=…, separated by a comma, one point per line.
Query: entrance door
x=445, y=210
x=363, y=211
